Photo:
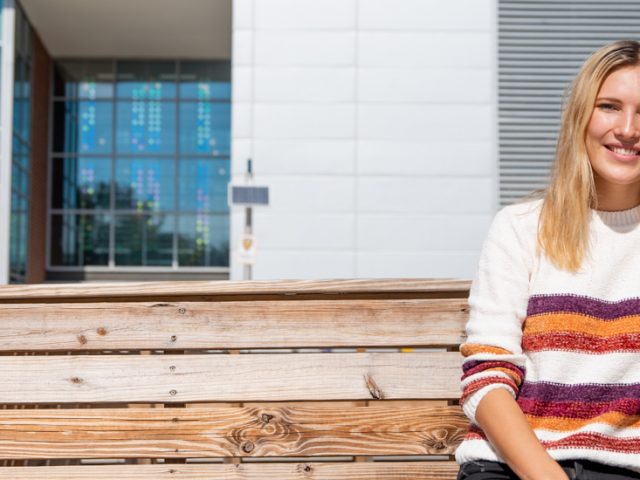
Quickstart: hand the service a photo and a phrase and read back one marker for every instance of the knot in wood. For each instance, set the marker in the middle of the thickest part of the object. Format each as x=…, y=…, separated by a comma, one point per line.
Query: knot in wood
x=174, y=338
x=101, y=331
x=266, y=418
x=82, y=339
x=172, y=393
x=437, y=441
x=172, y=368
x=76, y=380
x=182, y=311
x=307, y=468
x=248, y=447
x=372, y=386
x=172, y=471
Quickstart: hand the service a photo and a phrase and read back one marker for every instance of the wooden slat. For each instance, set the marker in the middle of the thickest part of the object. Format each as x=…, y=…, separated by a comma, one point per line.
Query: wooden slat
x=247, y=471
x=158, y=290
x=221, y=325
x=231, y=432
x=219, y=377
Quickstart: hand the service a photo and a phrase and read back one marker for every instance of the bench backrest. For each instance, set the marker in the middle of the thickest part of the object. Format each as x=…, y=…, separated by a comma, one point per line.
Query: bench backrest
x=347, y=380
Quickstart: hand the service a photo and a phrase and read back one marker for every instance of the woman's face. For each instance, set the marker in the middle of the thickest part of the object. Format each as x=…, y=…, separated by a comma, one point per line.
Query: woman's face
x=613, y=137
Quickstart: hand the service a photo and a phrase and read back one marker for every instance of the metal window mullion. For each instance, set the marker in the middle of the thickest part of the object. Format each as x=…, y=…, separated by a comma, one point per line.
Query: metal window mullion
x=112, y=200
x=176, y=181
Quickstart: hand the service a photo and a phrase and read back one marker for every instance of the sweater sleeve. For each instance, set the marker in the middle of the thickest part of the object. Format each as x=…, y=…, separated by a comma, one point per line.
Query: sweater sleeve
x=498, y=304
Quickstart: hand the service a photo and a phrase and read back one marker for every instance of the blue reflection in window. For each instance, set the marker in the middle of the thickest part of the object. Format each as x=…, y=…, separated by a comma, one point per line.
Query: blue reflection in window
x=146, y=126
x=205, y=128
x=203, y=240
x=145, y=184
x=203, y=185
x=83, y=183
x=146, y=80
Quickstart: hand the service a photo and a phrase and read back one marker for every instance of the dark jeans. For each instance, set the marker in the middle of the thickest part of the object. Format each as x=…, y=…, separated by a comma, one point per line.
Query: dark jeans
x=575, y=470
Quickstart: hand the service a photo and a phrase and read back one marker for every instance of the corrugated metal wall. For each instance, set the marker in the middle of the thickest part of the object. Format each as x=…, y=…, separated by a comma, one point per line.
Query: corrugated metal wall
x=541, y=45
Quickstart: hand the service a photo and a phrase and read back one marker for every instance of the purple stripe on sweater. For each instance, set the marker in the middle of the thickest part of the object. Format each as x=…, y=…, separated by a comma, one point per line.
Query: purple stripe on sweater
x=578, y=393
x=470, y=365
x=584, y=305
x=540, y=408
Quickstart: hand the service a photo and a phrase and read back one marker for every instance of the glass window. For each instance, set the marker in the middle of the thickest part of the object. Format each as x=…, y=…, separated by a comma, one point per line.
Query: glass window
x=144, y=240
x=203, y=185
x=146, y=126
x=87, y=80
x=145, y=184
x=203, y=240
x=205, y=128
x=79, y=240
x=119, y=167
x=146, y=80
x=81, y=183
x=83, y=126
x=205, y=81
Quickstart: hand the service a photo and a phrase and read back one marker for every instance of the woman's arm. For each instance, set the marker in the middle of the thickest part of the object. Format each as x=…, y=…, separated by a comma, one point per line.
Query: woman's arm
x=507, y=429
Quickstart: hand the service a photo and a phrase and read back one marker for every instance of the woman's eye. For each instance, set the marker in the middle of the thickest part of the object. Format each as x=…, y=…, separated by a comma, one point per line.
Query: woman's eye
x=607, y=106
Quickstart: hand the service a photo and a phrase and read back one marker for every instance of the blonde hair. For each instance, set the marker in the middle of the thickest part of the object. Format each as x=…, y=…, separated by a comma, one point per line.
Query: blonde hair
x=563, y=231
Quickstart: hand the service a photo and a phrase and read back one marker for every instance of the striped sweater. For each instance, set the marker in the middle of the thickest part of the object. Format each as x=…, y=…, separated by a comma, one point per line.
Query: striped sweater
x=566, y=345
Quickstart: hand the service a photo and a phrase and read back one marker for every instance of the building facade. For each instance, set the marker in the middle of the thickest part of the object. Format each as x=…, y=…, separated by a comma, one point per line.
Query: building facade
x=388, y=131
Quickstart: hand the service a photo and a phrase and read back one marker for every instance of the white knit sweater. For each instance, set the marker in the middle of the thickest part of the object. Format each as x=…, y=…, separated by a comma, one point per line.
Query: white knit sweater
x=565, y=345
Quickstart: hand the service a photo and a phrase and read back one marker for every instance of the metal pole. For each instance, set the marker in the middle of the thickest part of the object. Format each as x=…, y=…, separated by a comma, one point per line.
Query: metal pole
x=248, y=221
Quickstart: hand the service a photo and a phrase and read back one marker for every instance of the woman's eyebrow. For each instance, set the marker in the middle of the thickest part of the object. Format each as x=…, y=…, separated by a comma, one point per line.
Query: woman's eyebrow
x=608, y=99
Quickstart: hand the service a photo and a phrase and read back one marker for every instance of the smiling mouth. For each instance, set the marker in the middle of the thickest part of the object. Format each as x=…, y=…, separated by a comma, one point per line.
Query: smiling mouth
x=622, y=151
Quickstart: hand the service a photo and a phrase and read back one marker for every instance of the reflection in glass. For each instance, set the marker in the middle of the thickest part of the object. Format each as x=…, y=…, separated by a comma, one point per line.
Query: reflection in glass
x=205, y=128
x=146, y=126
x=145, y=184
x=203, y=185
x=83, y=127
x=81, y=79
x=144, y=240
x=81, y=183
x=146, y=80
x=205, y=81
x=203, y=240
x=79, y=240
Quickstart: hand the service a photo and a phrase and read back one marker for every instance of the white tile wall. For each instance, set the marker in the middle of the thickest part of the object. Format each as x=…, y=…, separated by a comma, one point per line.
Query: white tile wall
x=421, y=233
x=304, y=121
x=305, y=157
x=293, y=264
x=423, y=194
x=433, y=158
x=411, y=122
x=425, y=85
x=373, y=123
x=425, y=14
x=433, y=264
x=305, y=85
x=427, y=50
x=305, y=14
x=297, y=48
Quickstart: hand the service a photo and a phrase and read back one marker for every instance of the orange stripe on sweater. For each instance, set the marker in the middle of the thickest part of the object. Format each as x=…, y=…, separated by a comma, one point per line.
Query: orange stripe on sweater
x=468, y=349
x=571, y=322
x=559, y=424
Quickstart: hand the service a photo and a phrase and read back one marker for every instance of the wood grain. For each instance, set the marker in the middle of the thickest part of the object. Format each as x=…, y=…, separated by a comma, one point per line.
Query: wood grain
x=228, y=378
x=222, y=325
x=287, y=431
x=246, y=471
x=158, y=290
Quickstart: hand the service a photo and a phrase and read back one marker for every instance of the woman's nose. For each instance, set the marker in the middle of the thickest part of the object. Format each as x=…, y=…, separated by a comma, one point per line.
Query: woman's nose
x=628, y=126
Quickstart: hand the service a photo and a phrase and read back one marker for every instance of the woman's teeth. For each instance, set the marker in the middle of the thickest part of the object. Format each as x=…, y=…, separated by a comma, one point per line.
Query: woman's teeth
x=623, y=151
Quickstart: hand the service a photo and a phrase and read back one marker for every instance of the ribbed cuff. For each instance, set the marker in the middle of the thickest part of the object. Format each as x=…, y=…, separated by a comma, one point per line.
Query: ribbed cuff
x=471, y=404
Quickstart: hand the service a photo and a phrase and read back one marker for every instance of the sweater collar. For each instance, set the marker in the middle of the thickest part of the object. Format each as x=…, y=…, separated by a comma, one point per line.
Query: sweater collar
x=619, y=218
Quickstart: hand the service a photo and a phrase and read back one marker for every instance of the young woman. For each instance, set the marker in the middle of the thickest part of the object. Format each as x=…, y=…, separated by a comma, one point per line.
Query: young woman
x=551, y=378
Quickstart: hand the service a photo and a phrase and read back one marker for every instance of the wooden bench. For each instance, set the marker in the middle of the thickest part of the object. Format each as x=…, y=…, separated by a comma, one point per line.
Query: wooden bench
x=304, y=380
